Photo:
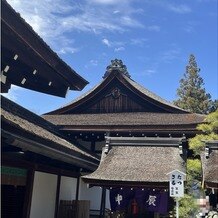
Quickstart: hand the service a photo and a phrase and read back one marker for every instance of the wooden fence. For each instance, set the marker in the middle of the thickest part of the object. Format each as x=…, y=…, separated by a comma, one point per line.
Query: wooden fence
x=74, y=209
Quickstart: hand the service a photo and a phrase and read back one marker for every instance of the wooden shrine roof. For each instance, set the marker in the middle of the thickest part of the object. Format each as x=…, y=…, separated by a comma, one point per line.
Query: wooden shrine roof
x=125, y=121
x=33, y=133
x=118, y=93
x=120, y=104
x=210, y=164
x=138, y=161
x=27, y=61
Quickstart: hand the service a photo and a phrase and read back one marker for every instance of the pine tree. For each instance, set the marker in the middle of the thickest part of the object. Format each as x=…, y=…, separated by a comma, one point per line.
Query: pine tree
x=192, y=95
x=209, y=131
x=214, y=106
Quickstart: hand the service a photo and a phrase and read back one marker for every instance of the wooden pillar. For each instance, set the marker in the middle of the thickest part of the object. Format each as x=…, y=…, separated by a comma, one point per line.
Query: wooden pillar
x=77, y=188
x=29, y=191
x=103, y=198
x=57, y=195
x=77, y=197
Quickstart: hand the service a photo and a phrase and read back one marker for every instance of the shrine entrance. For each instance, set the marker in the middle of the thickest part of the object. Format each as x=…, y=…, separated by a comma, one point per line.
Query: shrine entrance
x=135, y=171
x=139, y=202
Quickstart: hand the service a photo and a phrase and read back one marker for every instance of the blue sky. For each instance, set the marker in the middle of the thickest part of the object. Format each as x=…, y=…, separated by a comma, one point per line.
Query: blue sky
x=153, y=38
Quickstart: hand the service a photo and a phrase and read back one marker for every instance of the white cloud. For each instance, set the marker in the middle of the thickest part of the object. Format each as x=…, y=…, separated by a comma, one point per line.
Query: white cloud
x=188, y=29
x=65, y=50
x=109, y=2
x=45, y=17
x=181, y=9
x=116, y=12
x=105, y=2
x=171, y=54
x=190, y=26
x=130, y=22
x=54, y=18
x=106, y=42
x=89, y=22
x=149, y=72
x=119, y=49
x=138, y=41
x=94, y=62
x=113, y=44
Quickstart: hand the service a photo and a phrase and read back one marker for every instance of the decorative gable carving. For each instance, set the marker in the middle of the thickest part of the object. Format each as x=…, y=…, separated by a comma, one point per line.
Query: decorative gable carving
x=114, y=101
x=115, y=93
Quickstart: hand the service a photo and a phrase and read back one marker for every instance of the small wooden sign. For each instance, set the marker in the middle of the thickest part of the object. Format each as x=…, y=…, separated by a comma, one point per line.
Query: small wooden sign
x=176, y=188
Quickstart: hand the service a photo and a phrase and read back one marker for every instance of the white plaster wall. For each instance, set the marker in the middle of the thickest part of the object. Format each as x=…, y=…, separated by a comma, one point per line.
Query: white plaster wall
x=107, y=203
x=94, y=195
x=68, y=188
x=44, y=195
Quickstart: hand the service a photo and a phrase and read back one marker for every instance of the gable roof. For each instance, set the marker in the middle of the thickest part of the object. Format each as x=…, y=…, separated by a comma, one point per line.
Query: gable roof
x=33, y=133
x=143, y=121
x=118, y=93
x=27, y=61
x=210, y=164
x=138, y=161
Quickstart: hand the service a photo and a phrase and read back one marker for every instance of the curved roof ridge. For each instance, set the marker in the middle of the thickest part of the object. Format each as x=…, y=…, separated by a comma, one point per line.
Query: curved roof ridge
x=153, y=95
x=137, y=86
x=77, y=98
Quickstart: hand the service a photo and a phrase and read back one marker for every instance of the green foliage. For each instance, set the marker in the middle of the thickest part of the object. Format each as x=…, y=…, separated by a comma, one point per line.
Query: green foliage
x=192, y=95
x=214, y=106
x=194, y=168
x=210, y=128
x=193, y=174
x=211, y=123
x=187, y=206
x=197, y=143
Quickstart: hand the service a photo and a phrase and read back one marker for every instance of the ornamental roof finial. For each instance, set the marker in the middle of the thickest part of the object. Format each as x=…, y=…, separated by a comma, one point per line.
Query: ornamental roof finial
x=116, y=65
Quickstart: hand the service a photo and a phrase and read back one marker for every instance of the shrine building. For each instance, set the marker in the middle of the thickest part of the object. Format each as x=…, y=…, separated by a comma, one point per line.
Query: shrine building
x=140, y=137
x=40, y=166
x=111, y=149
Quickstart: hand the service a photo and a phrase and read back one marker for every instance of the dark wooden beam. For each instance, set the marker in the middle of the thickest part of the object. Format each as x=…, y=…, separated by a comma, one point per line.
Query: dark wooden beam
x=57, y=196
x=5, y=87
x=15, y=160
x=28, y=193
x=40, y=145
x=132, y=184
x=189, y=131
x=77, y=188
x=40, y=47
x=102, y=207
x=29, y=59
x=93, y=145
x=211, y=185
x=36, y=78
